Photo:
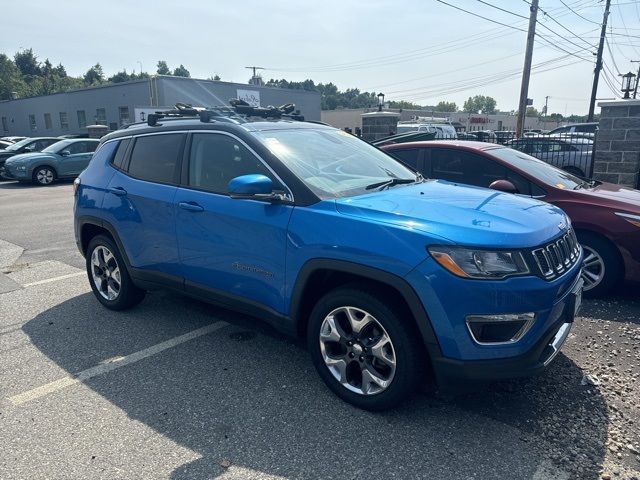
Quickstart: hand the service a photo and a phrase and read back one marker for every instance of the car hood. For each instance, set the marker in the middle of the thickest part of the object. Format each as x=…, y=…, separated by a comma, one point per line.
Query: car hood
x=613, y=195
x=462, y=214
x=27, y=157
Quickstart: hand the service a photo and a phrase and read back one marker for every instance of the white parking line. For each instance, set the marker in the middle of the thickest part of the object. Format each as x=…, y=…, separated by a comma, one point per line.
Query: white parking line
x=54, y=279
x=114, y=364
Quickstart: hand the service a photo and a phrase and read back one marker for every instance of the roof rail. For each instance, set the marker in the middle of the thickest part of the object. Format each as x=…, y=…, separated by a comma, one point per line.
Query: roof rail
x=238, y=109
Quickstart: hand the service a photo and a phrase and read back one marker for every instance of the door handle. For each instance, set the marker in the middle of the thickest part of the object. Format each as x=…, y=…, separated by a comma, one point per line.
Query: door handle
x=190, y=206
x=121, y=192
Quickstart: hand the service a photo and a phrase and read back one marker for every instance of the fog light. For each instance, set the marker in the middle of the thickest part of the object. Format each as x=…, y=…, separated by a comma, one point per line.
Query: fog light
x=496, y=329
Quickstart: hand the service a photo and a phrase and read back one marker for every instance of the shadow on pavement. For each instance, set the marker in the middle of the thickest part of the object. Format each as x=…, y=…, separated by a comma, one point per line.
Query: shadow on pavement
x=252, y=397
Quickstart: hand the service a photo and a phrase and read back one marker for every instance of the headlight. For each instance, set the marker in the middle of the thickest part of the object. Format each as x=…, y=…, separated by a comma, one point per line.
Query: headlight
x=484, y=264
x=22, y=168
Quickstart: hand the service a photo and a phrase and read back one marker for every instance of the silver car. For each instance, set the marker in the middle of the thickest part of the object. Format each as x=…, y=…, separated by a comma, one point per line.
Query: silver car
x=572, y=154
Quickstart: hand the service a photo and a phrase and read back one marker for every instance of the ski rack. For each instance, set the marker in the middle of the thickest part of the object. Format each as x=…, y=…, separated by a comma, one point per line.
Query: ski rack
x=239, y=109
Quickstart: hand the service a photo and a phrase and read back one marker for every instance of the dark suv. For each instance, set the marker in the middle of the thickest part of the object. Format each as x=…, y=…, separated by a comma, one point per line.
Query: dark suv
x=326, y=237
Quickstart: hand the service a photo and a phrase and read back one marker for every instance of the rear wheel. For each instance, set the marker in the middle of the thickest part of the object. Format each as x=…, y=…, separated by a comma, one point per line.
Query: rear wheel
x=108, y=275
x=44, y=175
x=363, y=350
x=601, y=265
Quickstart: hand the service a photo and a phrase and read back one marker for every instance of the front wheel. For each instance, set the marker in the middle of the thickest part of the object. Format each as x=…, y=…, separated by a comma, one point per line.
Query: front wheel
x=108, y=275
x=44, y=176
x=601, y=265
x=363, y=349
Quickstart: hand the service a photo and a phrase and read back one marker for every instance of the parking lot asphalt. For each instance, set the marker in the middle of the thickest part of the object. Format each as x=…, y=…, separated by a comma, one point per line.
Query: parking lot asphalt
x=180, y=389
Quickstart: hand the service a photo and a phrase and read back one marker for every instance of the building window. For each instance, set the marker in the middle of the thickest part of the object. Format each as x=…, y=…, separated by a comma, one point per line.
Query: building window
x=123, y=113
x=82, y=119
x=101, y=116
x=64, y=121
x=47, y=121
x=5, y=127
x=32, y=123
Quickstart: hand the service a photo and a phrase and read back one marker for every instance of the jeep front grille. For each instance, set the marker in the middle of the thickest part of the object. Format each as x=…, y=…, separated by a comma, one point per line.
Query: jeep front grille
x=558, y=256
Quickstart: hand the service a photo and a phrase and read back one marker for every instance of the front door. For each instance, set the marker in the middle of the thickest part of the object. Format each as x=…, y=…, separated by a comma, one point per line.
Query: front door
x=229, y=247
x=78, y=158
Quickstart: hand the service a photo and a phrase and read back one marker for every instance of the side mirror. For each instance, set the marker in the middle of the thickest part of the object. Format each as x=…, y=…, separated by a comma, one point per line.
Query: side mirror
x=65, y=153
x=254, y=187
x=503, y=186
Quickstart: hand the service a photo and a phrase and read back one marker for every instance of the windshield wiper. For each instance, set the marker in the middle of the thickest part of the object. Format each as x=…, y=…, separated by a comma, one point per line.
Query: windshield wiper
x=391, y=182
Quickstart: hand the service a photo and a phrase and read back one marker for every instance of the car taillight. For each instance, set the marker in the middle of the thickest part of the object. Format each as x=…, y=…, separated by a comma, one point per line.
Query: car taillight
x=76, y=186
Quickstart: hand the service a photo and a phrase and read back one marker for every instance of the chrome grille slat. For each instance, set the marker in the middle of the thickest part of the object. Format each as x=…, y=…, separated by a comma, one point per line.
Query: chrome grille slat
x=558, y=256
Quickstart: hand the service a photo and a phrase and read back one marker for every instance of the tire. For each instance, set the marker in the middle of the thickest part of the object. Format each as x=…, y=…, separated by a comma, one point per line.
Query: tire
x=574, y=171
x=601, y=260
x=108, y=275
x=44, y=175
x=328, y=337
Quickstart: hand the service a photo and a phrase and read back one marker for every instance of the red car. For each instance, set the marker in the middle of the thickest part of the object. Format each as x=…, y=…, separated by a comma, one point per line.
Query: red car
x=606, y=217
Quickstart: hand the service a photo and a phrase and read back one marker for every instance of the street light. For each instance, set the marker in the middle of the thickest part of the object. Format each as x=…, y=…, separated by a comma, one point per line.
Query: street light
x=380, y=101
x=627, y=83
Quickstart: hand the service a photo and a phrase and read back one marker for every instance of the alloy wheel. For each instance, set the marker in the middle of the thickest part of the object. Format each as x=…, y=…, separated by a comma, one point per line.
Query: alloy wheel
x=105, y=272
x=357, y=350
x=592, y=268
x=44, y=176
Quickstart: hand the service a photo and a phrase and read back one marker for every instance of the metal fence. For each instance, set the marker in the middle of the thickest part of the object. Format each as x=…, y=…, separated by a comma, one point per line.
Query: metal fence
x=572, y=152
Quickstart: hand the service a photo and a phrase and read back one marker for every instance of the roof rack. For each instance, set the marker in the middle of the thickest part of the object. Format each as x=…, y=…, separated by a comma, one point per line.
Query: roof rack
x=238, y=109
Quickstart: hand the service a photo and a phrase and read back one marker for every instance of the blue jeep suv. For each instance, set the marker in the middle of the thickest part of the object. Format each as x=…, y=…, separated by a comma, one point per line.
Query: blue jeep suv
x=389, y=277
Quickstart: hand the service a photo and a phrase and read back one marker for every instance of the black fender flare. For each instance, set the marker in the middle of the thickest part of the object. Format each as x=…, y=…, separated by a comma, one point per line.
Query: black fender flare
x=381, y=276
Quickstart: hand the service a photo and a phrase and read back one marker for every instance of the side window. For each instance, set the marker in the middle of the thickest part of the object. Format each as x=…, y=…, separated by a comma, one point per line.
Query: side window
x=155, y=157
x=481, y=171
x=42, y=144
x=409, y=156
x=446, y=165
x=90, y=147
x=118, y=159
x=215, y=159
x=522, y=184
x=75, y=148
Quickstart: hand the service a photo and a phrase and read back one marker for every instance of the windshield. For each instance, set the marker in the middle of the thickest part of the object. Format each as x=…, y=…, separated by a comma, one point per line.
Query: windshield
x=58, y=146
x=18, y=145
x=333, y=163
x=537, y=168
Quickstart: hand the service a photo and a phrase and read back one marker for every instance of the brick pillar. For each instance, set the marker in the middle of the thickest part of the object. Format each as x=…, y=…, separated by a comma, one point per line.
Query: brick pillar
x=377, y=125
x=617, y=158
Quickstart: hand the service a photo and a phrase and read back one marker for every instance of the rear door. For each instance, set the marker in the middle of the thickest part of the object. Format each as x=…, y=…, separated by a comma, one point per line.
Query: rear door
x=230, y=249
x=139, y=203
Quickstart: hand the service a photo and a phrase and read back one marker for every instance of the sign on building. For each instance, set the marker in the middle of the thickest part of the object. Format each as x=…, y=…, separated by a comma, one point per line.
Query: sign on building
x=252, y=97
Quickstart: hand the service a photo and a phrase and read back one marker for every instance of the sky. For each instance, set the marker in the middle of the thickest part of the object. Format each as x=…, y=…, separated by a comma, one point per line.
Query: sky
x=417, y=50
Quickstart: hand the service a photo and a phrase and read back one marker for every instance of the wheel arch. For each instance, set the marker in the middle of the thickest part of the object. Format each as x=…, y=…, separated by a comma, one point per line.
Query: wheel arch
x=89, y=227
x=318, y=276
x=33, y=168
x=596, y=233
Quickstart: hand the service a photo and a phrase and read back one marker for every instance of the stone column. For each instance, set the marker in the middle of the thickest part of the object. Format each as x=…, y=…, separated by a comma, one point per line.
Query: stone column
x=617, y=158
x=377, y=125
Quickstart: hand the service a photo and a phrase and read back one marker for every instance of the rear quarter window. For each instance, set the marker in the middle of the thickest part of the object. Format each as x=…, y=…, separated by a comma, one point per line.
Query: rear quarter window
x=118, y=159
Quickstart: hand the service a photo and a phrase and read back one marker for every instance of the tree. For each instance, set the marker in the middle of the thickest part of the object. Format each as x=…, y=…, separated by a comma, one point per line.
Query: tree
x=532, y=112
x=94, y=75
x=163, y=68
x=446, y=107
x=556, y=117
x=480, y=103
x=27, y=63
x=404, y=105
x=181, y=72
x=122, y=76
x=216, y=77
x=10, y=79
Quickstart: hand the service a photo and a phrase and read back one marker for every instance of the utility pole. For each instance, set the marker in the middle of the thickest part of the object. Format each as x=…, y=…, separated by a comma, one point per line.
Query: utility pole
x=526, y=72
x=635, y=90
x=255, y=79
x=596, y=76
x=546, y=106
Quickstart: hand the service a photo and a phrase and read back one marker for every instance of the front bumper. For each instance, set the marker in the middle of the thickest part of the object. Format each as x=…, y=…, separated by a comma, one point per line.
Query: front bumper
x=9, y=173
x=536, y=359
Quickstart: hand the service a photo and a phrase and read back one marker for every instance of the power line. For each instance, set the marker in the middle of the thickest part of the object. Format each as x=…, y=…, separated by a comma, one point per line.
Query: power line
x=480, y=16
x=503, y=10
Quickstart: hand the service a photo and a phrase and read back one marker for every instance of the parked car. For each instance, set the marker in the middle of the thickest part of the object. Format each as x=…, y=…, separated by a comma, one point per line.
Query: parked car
x=503, y=136
x=326, y=237
x=606, y=217
x=63, y=159
x=441, y=127
x=4, y=144
x=466, y=136
x=570, y=154
x=591, y=127
x=12, y=139
x=486, y=136
x=26, y=145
